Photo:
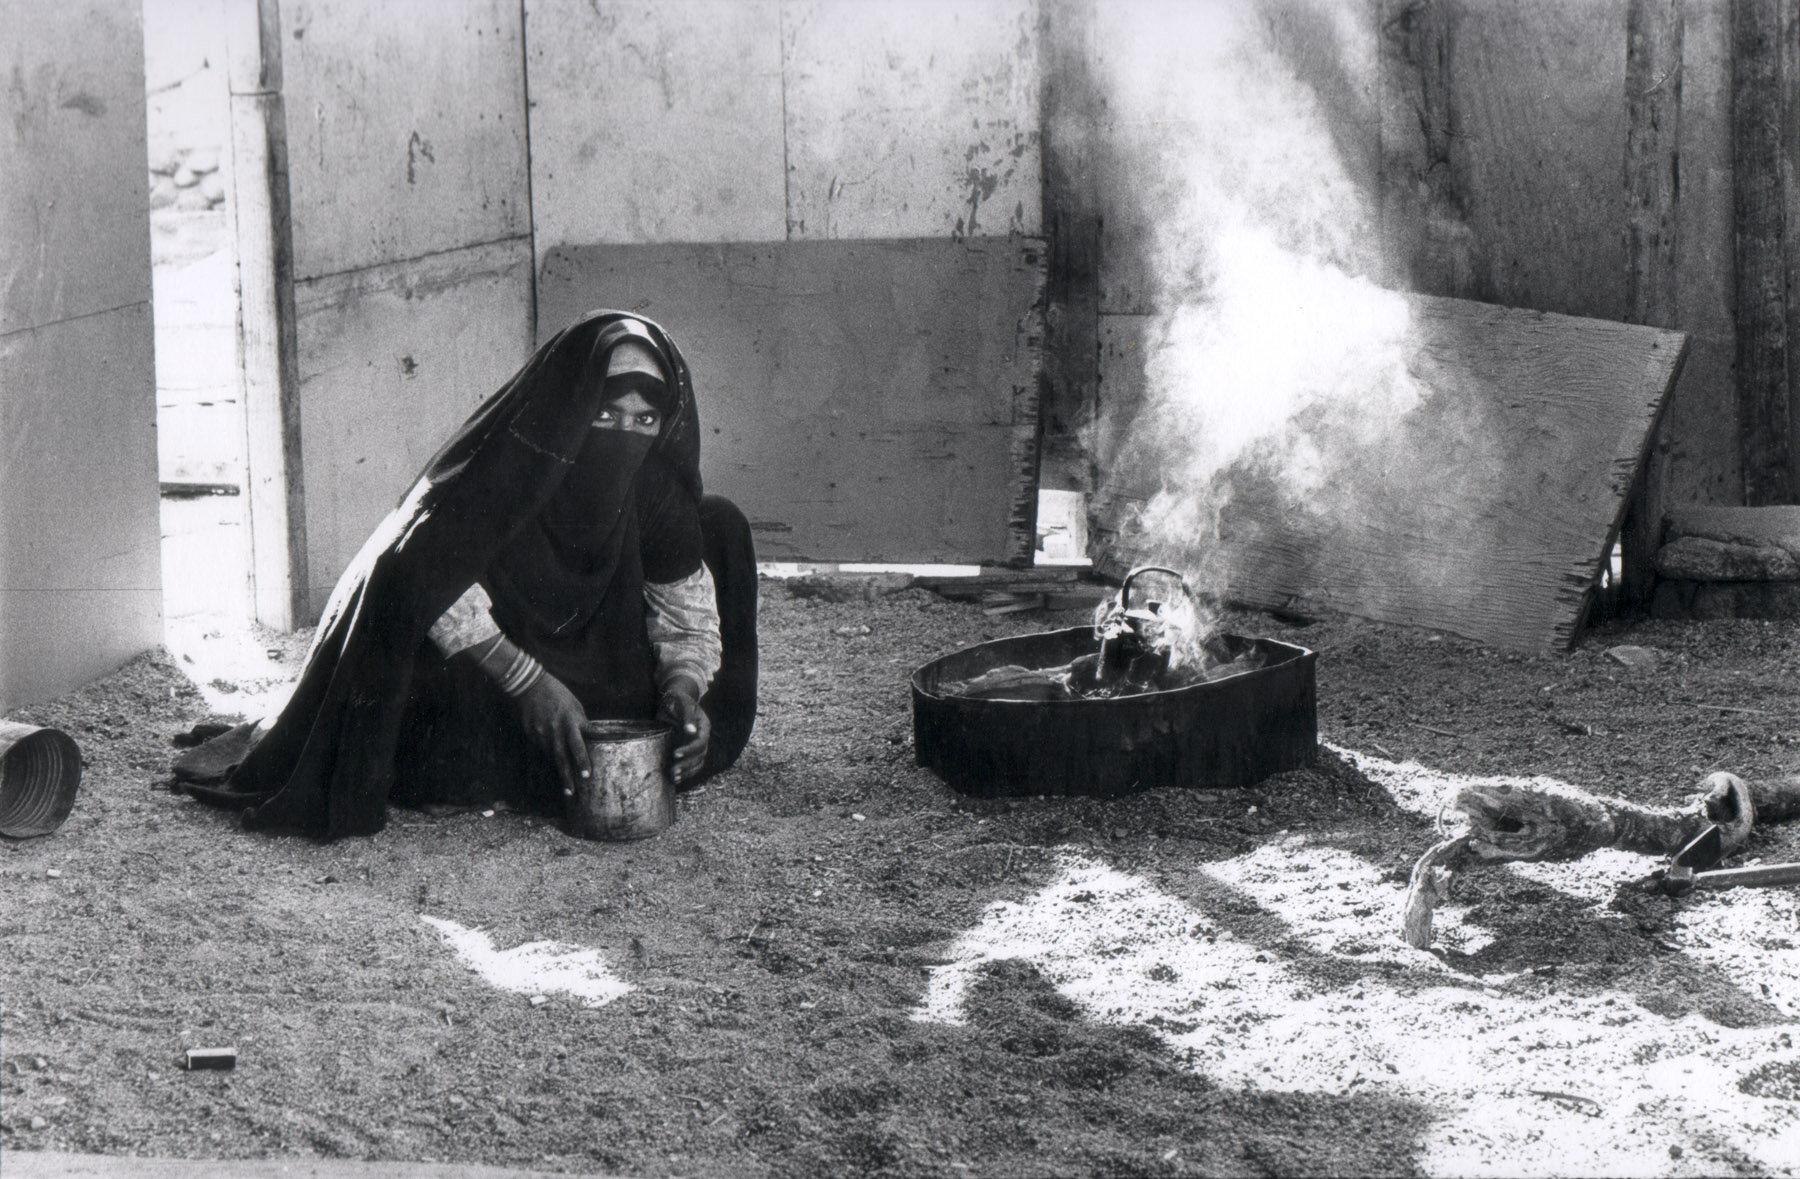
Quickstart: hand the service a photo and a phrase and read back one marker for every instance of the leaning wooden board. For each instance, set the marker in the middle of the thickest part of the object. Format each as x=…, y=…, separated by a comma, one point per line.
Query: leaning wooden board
x=1489, y=510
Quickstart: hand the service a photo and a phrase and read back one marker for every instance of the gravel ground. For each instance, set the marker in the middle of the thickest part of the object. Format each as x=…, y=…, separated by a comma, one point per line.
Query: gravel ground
x=833, y=964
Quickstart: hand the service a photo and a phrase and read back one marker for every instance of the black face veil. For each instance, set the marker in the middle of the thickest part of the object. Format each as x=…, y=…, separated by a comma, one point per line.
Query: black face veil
x=524, y=477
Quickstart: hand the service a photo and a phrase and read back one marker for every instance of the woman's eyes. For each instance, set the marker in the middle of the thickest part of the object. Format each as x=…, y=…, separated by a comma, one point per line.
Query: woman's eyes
x=607, y=417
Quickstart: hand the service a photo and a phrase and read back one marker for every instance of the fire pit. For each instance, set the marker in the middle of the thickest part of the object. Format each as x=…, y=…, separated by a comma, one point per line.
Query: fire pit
x=1222, y=732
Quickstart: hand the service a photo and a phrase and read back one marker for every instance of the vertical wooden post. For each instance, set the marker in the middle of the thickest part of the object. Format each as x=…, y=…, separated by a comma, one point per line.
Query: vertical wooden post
x=268, y=352
x=1762, y=124
x=1653, y=75
x=1072, y=111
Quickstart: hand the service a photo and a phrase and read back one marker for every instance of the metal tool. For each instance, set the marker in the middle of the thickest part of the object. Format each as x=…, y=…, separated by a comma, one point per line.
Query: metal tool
x=1693, y=857
x=1692, y=867
x=1757, y=876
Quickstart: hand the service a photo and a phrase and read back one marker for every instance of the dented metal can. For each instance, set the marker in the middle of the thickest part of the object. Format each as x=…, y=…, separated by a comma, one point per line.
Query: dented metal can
x=630, y=793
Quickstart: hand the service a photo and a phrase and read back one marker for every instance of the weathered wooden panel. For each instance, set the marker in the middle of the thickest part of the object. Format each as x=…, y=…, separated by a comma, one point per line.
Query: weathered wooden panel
x=1762, y=125
x=80, y=564
x=1227, y=114
x=1654, y=33
x=392, y=359
x=74, y=222
x=405, y=129
x=1702, y=426
x=1486, y=510
x=911, y=118
x=1512, y=118
x=656, y=122
x=858, y=398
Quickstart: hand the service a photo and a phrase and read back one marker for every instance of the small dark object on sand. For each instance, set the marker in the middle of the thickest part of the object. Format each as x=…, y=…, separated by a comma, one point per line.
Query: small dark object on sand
x=195, y=1059
x=200, y=733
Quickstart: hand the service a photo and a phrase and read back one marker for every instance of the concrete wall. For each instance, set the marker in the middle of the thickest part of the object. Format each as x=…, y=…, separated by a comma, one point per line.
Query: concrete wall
x=411, y=239
x=79, y=560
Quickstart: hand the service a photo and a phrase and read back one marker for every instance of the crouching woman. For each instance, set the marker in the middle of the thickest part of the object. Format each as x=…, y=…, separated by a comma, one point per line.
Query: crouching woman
x=556, y=561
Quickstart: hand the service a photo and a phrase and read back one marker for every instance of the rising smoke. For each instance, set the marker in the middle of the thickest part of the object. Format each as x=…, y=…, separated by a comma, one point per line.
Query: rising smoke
x=1273, y=361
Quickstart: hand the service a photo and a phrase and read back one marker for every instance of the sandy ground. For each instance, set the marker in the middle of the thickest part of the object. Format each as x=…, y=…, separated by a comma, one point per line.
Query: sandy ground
x=833, y=964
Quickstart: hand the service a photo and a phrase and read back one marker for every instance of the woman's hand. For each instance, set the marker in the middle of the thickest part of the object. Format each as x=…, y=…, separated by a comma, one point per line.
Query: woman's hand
x=553, y=718
x=693, y=729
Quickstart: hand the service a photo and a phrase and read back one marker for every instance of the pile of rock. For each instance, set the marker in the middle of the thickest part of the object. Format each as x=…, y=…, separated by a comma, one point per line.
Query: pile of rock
x=1723, y=562
x=187, y=180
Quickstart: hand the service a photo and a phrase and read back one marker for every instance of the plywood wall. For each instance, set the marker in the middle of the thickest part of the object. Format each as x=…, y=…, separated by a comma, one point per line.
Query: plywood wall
x=80, y=584
x=770, y=120
x=859, y=399
x=406, y=146
x=444, y=161
x=833, y=206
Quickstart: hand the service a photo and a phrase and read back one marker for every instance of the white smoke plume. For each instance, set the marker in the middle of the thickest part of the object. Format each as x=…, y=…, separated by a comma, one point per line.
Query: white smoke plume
x=1271, y=357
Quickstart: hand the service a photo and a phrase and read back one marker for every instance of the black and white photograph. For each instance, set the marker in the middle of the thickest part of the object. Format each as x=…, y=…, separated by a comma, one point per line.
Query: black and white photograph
x=902, y=588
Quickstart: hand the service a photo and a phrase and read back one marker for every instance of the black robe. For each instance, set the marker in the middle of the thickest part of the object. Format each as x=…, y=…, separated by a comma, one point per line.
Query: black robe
x=497, y=503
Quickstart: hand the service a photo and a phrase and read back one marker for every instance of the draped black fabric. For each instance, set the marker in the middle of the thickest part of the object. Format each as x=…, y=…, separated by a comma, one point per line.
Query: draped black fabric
x=526, y=498
x=461, y=744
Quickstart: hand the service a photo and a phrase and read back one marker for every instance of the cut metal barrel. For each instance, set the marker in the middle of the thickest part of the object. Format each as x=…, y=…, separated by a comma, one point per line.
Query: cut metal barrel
x=40, y=771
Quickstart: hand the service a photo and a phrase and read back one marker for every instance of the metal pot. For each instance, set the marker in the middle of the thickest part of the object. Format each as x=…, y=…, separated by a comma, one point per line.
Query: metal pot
x=630, y=793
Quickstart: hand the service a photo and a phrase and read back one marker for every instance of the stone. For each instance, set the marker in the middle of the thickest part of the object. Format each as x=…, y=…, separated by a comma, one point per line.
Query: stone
x=1701, y=559
x=1672, y=599
x=1714, y=601
x=162, y=193
x=186, y=177
x=1708, y=600
x=212, y=187
x=203, y=160
x=1777, y=525
x=848, y=587
x=1634, y=658
x=192, y=201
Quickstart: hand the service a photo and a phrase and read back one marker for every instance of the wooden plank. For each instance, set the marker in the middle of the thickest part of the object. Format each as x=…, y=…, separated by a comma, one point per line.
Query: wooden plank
x=1653, y=76
x=391, y=360
x=80, y=555
x=1760, y=119
x=74, y=239
x=656, y=122
x=406, y=134
x=862, y=400
x=80, y=552
x=1538, y=87
x=1486, y=510
x=1702, y=433
x=1024, y=449
x=911, y=118
x=1653, y=32
x=1423, y=223
x=267, y=349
